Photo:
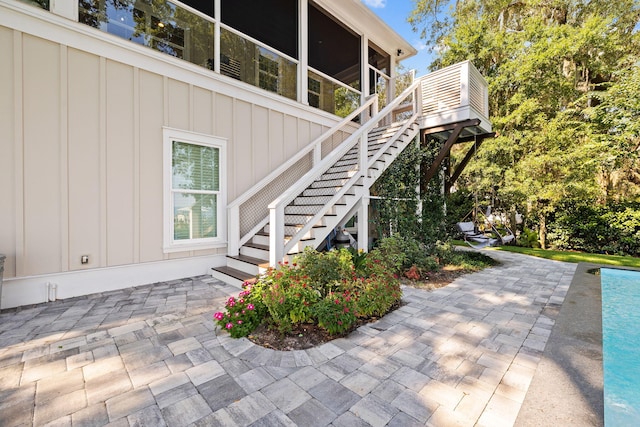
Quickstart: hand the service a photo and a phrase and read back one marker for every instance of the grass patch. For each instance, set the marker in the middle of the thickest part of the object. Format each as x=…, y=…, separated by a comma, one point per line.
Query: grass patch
x=566, y=256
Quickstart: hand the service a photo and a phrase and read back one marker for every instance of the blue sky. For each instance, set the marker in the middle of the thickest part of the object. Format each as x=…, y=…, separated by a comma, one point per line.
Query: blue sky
x=395, y=14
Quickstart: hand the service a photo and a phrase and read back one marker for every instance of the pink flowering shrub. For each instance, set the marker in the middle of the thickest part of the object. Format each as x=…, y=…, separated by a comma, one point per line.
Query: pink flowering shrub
x=323, y=288
x=243, y=314
x=288, y=296
x=336, y=312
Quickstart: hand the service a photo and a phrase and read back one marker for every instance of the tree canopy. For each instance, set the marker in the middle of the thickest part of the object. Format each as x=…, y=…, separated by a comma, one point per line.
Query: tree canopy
x=564, y=96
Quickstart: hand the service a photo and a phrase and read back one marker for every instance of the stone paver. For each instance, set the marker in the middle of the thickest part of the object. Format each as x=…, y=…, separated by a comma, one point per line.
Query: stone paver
x=462, y=355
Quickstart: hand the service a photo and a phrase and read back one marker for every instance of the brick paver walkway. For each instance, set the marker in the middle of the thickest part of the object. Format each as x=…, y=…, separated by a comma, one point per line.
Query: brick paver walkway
x=151, y=356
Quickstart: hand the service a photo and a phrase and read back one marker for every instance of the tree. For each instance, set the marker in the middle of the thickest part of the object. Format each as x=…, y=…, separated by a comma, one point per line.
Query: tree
x=556, y=71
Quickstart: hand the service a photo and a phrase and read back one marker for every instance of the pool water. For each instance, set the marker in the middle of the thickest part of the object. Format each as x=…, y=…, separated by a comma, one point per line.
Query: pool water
x=621, y=346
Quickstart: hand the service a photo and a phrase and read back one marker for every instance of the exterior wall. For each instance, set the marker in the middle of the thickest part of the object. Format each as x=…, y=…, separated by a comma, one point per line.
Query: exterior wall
x=81, y=117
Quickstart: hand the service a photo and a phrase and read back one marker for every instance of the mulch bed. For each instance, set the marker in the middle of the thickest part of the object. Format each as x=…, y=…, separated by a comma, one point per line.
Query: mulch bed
x=305, y=336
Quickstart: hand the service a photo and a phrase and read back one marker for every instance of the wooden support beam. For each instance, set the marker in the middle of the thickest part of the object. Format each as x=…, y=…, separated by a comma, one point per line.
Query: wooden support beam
x=450, y=127
x=474, y=137
x=446, y=148
x=463, y=164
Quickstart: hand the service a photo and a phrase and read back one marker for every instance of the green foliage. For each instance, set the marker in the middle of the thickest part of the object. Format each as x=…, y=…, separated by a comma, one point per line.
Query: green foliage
x=564, y=91
x=591, y=228
x=359, y=259
x=471, y=260
x=319, y=287
x=323, y=269
x=388, y=255
x=528, y=239
x=336, y=312
x=288, y=295
x=243, y=314
x=377, y=294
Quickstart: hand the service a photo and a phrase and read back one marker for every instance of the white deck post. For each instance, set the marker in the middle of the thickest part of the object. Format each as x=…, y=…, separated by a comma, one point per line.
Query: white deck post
x=276, y=234
x=233, y=228
x=303, y=51
x=217, y=11
x=363, y=222
x=464, y=84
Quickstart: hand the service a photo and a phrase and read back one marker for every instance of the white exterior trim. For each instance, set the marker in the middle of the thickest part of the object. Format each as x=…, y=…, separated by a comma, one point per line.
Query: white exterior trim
x=39, y=289
x=48, y=26
x=170, y=135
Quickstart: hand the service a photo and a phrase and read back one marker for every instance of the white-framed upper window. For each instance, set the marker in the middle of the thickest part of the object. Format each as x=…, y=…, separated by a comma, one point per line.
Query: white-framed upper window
x=194, y=191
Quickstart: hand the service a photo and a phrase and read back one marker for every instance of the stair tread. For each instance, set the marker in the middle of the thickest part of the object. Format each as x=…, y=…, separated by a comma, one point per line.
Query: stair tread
x=250, y=260
x=236, y=274
x=258, y=245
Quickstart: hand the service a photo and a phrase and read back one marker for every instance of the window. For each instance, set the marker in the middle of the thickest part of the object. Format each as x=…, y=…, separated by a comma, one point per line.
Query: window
x=195, y=199
x=159, y=24
x=268, y=74
x=314, y=92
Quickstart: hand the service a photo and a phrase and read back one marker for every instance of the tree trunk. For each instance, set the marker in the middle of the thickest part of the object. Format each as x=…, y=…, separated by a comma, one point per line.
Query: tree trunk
x=542, y=232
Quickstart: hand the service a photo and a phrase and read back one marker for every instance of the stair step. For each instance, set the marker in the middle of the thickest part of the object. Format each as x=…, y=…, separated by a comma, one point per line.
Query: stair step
x=257, y=245
x=231, y=275
x=322, y=191
x=306, y=210
x=338, y=175
x=251, y=260
x=313, y=200
x=344, y=168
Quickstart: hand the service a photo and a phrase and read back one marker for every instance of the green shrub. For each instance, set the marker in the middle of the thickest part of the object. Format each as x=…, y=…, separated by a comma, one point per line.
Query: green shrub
x=323, y=269
x=448, y=255
x=243, y=314
x=528, y=239
x=389, y=252
x=377, y=294
x=319, y=287
x=288, y=296
x=336, y=312
x=612, y=229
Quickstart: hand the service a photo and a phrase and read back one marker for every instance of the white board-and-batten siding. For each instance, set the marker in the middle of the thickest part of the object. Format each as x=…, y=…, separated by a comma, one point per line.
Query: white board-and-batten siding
x=81, y=134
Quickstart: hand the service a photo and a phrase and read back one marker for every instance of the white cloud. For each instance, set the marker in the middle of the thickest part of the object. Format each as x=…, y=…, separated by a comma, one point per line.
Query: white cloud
x=420, y=45
x=376, y=4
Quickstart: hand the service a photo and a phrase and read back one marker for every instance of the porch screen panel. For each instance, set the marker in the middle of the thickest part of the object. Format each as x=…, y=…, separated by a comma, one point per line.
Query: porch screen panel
x=272, y=22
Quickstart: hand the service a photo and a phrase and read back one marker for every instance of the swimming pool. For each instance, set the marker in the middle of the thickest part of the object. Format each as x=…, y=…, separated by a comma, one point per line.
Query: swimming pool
x=621, y=346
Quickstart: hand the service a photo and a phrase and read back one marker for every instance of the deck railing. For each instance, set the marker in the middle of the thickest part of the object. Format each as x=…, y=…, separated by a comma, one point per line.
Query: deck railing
x=278, y=247
x=448, y=95
x=454, y=93
x=250, y=212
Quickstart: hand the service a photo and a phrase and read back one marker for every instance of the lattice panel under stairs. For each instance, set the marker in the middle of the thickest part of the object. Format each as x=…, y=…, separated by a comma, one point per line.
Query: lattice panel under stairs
x=255, y=209
x=306, y=207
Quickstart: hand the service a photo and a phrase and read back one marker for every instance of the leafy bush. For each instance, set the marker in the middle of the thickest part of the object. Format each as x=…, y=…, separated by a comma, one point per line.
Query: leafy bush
x=323, y=269
x=528, y=239
x=336, y=312
x=471, y=260
x=613, y=229
x=243, y=314
x=288, y=295
x=377, y=294
x=319, y=287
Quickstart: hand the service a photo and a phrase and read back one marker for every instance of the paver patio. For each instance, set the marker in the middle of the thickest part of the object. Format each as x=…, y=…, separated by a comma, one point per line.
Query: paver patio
x=462, y=355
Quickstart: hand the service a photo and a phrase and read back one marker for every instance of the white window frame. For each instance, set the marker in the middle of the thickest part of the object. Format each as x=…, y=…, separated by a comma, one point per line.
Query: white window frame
x=169, y=244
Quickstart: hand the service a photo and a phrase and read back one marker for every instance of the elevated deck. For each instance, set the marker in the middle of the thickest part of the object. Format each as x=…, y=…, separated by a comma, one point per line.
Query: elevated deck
x=455, y=94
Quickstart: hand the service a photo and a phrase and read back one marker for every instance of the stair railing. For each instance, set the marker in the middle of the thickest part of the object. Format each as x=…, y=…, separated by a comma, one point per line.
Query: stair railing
x=249, y=213
x=277, y=244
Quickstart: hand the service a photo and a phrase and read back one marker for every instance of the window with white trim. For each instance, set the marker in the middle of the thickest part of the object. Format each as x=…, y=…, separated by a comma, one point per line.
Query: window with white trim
x=195, y=196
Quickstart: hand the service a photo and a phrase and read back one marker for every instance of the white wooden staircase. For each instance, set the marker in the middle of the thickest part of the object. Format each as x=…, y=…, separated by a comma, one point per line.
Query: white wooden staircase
x=327, y=194
x=321, y=187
